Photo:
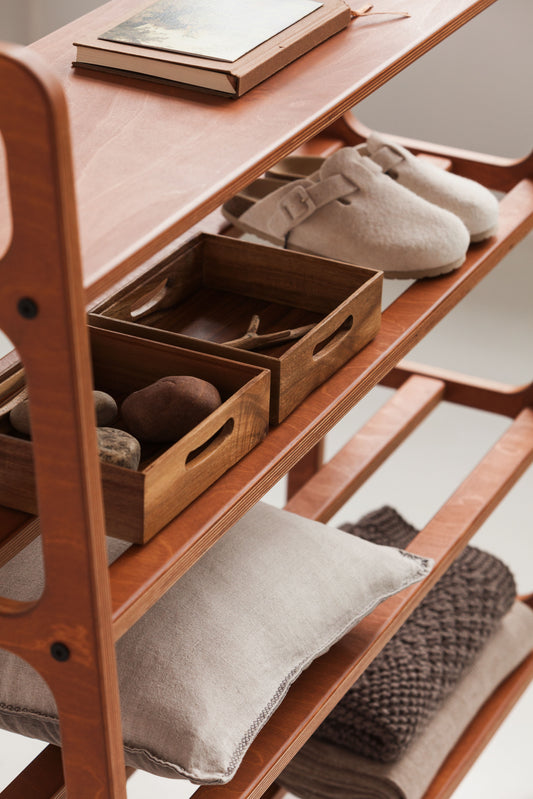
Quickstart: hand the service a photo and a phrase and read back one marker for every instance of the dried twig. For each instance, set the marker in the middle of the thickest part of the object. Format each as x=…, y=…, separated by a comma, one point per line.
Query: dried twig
x=252, y=340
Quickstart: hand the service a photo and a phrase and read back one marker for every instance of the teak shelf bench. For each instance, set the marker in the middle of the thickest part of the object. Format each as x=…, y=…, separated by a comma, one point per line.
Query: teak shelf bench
x=131, y=168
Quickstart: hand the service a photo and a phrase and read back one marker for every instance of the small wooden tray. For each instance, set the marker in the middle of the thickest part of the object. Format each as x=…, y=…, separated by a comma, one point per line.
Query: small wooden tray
x=139, y=503
x=206, y=293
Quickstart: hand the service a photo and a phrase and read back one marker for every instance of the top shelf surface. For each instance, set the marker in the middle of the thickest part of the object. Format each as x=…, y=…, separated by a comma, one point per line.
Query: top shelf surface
x=152, y=160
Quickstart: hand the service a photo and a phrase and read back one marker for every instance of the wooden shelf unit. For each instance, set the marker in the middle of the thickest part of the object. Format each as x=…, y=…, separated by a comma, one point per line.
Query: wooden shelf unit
x=116, y=127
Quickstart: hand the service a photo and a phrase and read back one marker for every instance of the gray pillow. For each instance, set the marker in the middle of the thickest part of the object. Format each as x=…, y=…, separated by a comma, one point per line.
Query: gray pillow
x=206, y=667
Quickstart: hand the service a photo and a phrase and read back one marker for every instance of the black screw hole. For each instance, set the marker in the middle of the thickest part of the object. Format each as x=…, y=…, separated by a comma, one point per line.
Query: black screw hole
x=60, y=651
x=27, y=308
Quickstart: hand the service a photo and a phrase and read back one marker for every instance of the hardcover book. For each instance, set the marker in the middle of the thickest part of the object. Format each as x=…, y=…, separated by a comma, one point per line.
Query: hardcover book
x=221, y=46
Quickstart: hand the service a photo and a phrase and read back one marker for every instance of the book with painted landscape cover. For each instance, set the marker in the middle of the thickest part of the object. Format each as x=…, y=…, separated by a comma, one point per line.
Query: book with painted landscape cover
x=221, y=46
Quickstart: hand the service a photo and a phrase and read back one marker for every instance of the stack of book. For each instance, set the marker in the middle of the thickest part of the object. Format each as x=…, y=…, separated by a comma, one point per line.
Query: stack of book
x=221, y=46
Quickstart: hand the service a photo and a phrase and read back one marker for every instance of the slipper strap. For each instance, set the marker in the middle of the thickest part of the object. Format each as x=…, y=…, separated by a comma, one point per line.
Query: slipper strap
x=387, y=158
x=303, y=200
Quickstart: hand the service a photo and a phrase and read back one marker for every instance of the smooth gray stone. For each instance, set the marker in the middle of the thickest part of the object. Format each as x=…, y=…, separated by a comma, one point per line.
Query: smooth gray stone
x=20, y=417
x=104, y=405
x=118, y=447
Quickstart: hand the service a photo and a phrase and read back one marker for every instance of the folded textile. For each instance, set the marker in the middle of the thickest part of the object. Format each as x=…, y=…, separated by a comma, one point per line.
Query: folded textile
x=404, y=686
x=324, y=771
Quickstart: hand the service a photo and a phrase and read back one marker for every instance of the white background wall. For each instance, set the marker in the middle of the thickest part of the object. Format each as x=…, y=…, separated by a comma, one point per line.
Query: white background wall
x=473, y=90
x=25, y=21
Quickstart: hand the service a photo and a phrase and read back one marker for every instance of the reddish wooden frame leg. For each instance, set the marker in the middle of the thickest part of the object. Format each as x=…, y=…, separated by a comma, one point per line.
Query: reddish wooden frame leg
x=309, y=465
x=42, y=302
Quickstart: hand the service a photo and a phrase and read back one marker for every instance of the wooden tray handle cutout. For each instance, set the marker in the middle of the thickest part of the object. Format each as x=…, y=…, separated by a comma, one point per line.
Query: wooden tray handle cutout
x=156, y=298
x=199, y=455
x=325, y=347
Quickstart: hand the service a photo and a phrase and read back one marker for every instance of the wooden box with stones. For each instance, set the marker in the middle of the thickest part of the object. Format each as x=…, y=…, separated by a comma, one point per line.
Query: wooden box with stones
x=219, y=412
x=300, y=316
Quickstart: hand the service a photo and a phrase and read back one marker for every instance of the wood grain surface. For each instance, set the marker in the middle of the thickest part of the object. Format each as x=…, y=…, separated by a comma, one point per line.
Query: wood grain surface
x=43, y=313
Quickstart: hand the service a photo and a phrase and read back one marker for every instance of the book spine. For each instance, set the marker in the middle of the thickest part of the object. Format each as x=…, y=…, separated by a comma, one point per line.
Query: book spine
x=286, y=54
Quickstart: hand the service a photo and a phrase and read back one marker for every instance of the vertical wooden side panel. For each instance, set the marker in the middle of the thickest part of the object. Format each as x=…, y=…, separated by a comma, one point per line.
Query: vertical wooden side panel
x=42, y=311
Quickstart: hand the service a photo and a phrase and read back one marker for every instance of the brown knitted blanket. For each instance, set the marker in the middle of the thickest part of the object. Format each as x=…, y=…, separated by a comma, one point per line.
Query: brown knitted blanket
x=404, y=686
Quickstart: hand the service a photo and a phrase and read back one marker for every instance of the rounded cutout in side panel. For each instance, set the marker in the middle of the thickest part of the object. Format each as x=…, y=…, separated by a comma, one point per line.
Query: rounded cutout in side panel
x=6, y=345
x=6, y=217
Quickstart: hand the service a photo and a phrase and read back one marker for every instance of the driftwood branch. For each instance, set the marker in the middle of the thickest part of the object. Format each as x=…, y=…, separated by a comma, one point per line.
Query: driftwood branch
x=252, y=340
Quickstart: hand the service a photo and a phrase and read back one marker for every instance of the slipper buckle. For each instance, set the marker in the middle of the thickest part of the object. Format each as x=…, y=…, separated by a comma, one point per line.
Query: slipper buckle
x=298, y=205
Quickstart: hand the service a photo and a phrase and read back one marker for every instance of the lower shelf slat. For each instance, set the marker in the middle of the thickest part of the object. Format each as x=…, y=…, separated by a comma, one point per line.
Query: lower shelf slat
x=18, y=535
x=41, y=779
x=471, y=392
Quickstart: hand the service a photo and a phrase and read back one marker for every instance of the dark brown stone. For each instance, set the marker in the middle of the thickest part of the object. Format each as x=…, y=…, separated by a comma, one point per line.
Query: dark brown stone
x=166, y=410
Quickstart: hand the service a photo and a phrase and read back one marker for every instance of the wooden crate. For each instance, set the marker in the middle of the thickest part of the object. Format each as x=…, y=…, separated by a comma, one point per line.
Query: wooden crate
x=139, y=503
x=206, y=293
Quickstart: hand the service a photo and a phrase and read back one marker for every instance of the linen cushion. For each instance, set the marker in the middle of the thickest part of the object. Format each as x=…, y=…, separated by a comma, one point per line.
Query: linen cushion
x=205, y=668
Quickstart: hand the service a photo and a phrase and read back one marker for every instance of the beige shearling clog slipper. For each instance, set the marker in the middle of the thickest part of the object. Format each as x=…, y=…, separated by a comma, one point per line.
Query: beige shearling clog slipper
x=474, y=204
x=351, y=211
